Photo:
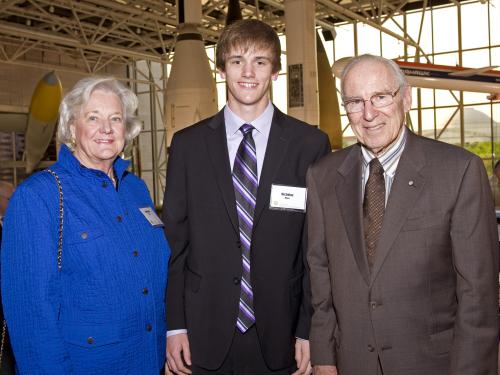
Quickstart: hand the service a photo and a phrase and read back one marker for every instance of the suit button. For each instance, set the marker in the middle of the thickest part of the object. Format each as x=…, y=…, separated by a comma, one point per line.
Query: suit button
x=90, y=340
x=373, y=305
x=236, y=280
x=149, y=327
x=145, y=291
x=371, y=348
x=84, y=235
x=119, y=219
x=135, y=253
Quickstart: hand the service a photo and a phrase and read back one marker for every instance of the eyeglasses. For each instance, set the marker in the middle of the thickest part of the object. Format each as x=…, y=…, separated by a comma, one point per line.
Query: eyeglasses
x=379, y=100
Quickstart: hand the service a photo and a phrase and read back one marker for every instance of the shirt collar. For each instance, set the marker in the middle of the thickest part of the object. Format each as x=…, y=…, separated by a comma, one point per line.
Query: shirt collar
x=391, y=156
x=261, y=123
x=71, y=163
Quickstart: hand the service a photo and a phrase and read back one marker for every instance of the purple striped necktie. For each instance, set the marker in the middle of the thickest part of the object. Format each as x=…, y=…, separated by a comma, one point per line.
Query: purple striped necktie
x=245, y=188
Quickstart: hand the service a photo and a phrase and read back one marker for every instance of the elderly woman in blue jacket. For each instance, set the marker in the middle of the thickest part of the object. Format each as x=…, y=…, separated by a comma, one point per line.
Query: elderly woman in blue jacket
x=103, y=312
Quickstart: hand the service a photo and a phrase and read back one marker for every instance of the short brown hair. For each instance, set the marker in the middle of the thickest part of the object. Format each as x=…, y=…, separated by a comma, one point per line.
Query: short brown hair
x=246, y=34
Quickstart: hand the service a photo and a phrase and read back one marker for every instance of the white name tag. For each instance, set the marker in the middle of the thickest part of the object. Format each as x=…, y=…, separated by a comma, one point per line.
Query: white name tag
x=151, y=216
x=290, y=198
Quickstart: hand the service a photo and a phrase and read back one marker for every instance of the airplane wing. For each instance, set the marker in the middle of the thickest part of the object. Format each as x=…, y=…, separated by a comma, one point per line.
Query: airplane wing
x=471, y=72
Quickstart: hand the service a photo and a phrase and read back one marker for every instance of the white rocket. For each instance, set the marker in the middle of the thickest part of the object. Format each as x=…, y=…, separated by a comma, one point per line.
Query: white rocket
x=191, y=92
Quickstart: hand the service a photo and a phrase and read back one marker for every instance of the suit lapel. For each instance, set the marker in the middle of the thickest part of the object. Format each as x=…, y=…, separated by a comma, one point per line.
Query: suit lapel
x=348, y=191
x=407, y=186
x=219, y=157
x=277, y=144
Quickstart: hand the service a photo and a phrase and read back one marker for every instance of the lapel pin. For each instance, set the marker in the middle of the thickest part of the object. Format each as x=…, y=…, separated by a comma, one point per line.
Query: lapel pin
x=411, y=183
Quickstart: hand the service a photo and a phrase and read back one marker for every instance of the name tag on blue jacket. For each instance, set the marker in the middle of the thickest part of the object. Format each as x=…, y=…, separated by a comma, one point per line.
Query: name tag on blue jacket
x=151, y=216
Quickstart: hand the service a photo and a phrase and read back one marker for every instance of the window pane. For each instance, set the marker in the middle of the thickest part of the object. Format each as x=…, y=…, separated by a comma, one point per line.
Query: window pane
x=477, y=130
x=339, y=97
x=391, y=47
x=413, y=26
x=218, y=78
x=496, y=124
x=495, y=55
x=348, y=137
x=426, y=98
x=494, y=6
x=474, y=25
x=475, y=97
x=283, y=42
x=368, y=40
x=414, y=120
x=221, y=95
x=446, y=97
x=445, y=29
x=427, y=123
x=211, y=56
x=280, y=93
x=414, y=99
x=476, y=59
x=344, y=41
x=446, y=59
x=450, y=134
x=283, y=55
x=411, y=53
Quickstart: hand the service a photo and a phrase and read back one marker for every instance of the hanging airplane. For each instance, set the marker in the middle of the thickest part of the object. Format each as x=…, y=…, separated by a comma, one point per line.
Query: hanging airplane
x=443, y=77
x=40, y=121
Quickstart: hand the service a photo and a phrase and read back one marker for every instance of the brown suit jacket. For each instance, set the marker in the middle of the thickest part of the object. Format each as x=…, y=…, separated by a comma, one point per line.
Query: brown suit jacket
x=429, y=304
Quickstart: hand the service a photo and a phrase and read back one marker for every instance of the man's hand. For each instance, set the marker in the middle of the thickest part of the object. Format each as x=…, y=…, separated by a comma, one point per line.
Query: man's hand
x=178, y=354
x=302, y=357
x=325, y=370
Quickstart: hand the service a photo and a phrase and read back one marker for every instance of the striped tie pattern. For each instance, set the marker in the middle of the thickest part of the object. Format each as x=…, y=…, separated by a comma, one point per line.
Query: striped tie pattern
x=373, y=208
x=245, y=188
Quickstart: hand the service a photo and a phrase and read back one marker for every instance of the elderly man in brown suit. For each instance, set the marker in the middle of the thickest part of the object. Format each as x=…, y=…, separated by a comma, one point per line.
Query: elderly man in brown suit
x=403, y=246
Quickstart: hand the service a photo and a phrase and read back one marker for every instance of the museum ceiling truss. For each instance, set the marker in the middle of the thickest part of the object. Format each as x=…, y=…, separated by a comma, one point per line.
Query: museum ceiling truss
x=88, y=35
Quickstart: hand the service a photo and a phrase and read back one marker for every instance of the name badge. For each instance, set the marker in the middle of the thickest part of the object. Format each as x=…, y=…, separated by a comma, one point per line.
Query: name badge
x=151, y=216
x=290, y=198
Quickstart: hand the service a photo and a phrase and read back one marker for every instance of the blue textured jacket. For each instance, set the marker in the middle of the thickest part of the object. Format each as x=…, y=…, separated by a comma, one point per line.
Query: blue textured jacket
x=104, y=313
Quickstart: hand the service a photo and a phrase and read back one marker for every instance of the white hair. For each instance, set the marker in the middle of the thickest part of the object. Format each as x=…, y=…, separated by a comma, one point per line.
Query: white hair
x=73, y=102
x=390, y=64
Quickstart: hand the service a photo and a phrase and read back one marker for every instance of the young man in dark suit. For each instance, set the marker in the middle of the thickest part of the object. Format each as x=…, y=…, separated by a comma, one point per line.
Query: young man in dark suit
x=234, y=214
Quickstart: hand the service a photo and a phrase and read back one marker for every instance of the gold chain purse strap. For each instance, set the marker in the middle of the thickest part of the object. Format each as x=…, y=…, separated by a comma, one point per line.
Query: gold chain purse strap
x=59, y=249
